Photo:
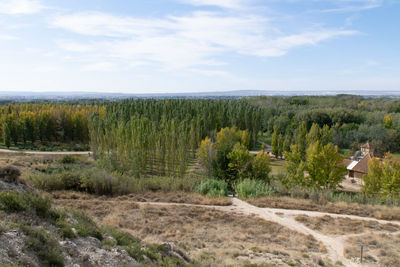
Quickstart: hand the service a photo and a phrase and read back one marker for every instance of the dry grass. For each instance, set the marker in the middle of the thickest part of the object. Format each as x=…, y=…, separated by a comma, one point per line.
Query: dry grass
x=210, y=236
x=159, y=196
x=342, y=226
x=379, y=249
x=374, y=211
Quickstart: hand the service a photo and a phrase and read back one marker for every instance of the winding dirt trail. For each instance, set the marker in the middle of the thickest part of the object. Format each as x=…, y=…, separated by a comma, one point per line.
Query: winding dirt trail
x=335, y=245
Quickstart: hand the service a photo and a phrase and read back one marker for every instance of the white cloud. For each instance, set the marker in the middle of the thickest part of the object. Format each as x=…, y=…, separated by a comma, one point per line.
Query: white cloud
x=6, y=37
x=233, y=4
x=14, y=7
x=354, y=5
x=100, y=66
x=199, y=38
x=73, y=46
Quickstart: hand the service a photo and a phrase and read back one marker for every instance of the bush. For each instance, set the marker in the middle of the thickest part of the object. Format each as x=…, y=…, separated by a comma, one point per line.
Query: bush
x=10, y=174
x=122, y=238
x=41, y=205
x=13, y=201
x=46, y=247
x=86, y=226
x=68, y=159
x=47, y=182
x=253, y=188
x=212, y=188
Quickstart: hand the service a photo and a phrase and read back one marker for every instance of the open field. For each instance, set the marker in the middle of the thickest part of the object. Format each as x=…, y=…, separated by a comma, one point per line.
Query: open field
x=150, y=196
x=343, y=226
x=378, y=249
x=375, y=211
x=208, y=235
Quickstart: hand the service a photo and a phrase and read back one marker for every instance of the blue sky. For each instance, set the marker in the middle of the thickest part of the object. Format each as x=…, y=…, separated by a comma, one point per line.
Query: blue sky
x=151, y=46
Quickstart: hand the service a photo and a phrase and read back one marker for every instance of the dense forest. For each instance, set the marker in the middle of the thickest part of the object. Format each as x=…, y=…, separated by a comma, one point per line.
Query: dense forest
x=161, y=136
x=170, y=137
x=353, y=120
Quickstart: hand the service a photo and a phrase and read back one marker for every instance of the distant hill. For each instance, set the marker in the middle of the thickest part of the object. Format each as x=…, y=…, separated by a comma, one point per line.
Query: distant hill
x=8, y=95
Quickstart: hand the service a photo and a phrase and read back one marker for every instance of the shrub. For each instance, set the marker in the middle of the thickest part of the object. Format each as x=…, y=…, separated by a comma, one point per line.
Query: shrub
x=86, y=226
x=41, y=205
x=212, y=188
x=12, y=201
x=100, y=182
x=253, y=188
x=10, y=174
x=70, y=180
x=68, y=159
x=122, y=238
x=47, y=182
x=46, y=247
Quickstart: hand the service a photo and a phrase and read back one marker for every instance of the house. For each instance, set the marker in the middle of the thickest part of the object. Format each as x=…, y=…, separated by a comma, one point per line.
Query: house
x=357, y=166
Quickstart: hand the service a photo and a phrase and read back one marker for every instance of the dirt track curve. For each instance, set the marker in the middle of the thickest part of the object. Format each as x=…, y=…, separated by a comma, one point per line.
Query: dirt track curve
x=334, y=245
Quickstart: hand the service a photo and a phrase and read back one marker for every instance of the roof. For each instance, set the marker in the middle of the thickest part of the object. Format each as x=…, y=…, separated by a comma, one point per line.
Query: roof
x=346, y=162
x=362, y=165
x=352, y=165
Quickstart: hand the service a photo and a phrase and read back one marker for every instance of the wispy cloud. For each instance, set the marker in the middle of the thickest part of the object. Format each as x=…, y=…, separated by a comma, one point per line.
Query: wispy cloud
x=353, y=5
x=231, y=4
x=15, y=7
x=6, y=37
x=197, y=38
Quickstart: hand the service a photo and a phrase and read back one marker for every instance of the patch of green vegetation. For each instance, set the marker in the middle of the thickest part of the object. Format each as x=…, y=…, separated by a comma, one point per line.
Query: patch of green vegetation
x=122, y=238
x=212, y=188
x=13, y=201
x=253, y=188
x=68, y=159
x=44, y=245
x=85, y=226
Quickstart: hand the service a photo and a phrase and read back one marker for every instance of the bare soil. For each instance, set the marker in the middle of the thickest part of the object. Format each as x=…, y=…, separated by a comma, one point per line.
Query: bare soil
x=162, y=197
x=378, y=249
x=208, y=235
x=374, y=211
x=344, y=226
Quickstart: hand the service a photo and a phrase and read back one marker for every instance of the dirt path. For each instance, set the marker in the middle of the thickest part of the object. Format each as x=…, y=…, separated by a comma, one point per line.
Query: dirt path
x=45, y=152
x=334, y=245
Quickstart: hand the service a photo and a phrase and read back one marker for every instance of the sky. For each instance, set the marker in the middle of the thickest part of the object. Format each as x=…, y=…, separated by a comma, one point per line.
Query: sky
x=168, y=46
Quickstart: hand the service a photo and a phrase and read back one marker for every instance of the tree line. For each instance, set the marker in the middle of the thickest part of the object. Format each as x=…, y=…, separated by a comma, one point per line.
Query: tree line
x=30, y=123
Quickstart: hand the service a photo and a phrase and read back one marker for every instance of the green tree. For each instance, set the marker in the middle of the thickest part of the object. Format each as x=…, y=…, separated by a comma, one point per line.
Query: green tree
x=301, y=141
x=287, y=143
x=323, y=166
x=262, y=166
x=314, y=134
x=388, y=122
x=6, y=134
x=295, y=167
x=275, y=142
x=207, y=154
x=239, y=162
x=326, y=135
x=373, y=180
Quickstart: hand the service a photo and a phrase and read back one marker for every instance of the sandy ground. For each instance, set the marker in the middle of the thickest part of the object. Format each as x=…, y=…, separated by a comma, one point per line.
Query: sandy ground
x=335, y=245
